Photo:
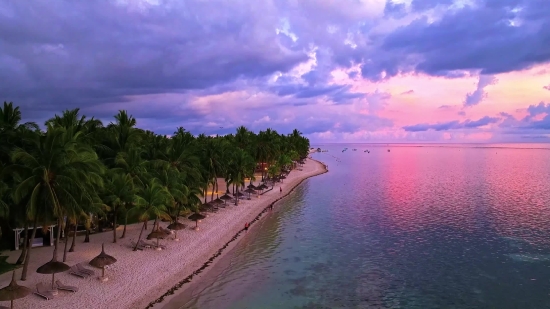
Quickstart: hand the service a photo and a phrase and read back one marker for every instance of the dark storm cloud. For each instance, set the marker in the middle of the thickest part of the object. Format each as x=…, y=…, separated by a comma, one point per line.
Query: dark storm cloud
x=393, y=9
x=491, y=37
x=422, y=5
x=452, y=125
x=66, y=53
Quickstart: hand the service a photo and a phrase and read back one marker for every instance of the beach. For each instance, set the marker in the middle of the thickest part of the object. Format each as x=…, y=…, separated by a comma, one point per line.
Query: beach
x=140, y=278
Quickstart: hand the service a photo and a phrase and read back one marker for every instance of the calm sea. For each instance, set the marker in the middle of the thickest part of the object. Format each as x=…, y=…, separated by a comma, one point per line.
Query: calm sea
x=421, y=226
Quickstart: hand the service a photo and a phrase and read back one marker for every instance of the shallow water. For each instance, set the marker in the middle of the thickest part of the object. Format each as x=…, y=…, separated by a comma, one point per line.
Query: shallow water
x=417, y=227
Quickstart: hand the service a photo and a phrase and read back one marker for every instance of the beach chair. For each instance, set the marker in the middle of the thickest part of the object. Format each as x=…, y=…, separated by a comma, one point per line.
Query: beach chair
x=84, y=270
x=139, y=247
x=151, y=245
x=69, y=288
x=42, y=290
x=78, y=273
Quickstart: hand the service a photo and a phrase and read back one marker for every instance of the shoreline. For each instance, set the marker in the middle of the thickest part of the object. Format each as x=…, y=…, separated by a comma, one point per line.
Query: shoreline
x=183, y=284
x=145, y=278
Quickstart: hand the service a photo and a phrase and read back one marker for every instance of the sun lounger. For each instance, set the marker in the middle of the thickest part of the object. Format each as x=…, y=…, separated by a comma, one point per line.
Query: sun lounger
x=139, y=247
x=41, y=290
x=143, y=242
x=84, y=270
x=61, y=286
x=78, y=273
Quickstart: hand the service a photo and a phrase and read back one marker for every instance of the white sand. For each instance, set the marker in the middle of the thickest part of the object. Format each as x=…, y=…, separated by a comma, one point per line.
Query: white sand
x=140, y=277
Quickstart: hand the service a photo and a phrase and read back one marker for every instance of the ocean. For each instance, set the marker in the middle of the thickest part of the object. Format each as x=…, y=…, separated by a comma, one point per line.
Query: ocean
x=418, y=226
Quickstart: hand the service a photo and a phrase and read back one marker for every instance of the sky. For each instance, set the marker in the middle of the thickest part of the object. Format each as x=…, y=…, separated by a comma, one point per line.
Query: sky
x=337, y=70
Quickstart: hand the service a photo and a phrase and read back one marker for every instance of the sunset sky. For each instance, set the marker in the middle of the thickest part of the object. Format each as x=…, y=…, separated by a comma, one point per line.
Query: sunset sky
x=337, y=70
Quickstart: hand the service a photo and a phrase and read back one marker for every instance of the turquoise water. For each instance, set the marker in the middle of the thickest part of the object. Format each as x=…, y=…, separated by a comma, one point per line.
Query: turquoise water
x=418, y=227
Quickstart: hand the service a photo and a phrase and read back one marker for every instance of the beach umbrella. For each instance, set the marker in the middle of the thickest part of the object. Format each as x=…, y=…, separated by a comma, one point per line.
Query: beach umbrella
x=251, y=186
x=176, y=226
x=263, y=186
x=249, y=191
x=158, y=234
x=196, y=217
x=205, y=207
x=13, y=291
x=102, y=260
x=226, y=197
x=217, y=201
x=53, y=267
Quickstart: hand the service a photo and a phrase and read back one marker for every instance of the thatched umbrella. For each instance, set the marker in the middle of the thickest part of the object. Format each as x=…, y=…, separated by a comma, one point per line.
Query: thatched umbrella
x=176, y=226
x=226, y=197
x=251, y=186
x=249, y=191
x=263, y=186
x=217, y=201
x=53, y=267
x=102, y=260
x=13, y=291
x=196, y=217
x=158, y=234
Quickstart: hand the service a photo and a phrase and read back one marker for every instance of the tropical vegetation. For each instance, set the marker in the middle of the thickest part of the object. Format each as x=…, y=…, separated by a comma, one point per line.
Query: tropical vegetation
x=77, y=171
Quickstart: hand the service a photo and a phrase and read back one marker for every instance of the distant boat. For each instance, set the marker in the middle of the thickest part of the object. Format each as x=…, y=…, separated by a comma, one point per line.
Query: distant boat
x=388, y=150
x=367, y=151
x=354, y=149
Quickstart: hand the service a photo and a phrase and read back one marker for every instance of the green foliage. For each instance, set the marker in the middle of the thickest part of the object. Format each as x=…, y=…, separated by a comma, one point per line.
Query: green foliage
x=77, y=167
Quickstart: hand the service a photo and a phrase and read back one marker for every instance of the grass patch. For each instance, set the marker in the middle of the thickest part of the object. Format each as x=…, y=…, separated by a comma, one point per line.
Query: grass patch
x=5, y=266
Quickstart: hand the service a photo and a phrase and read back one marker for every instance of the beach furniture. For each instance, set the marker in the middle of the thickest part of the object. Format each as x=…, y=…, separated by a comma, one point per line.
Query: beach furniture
x=78, y=273
x=168, y=232
x=42, y=290
x=69, y=288
x=85, y=270
x=102, y=260
x=151, y=245
x=139, y=247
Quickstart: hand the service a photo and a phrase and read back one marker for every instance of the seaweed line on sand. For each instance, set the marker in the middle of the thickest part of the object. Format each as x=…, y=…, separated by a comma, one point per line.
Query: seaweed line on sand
x=176, y=287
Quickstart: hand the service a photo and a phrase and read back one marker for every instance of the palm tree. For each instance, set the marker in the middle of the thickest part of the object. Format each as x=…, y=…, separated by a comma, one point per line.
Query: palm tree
x=151, y=202
x=119, y=191
x=60, y=174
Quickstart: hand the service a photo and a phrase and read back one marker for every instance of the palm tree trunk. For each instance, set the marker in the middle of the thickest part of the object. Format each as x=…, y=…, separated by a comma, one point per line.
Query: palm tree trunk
x=28, y=257
x=114, y=226
x=66, y=239
x=145, y=224
x=212, y=196
x=139, y=238
x=125, y=223
x=56, y=242
x=73, y=245
x=205, y=194
x=87, y=237
x=21, y=258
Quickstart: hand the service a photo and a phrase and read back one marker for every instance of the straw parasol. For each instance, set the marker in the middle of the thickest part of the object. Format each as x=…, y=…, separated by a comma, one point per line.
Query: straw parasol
x=206, y=206
x=217, y=201
x=53, y=267
x=102, y=260
x=176, y=226
x=158, y=234
x=249, y=191
x=251, y=186
x=263, y=186
x=226, y=197
x=196, y=217
x=13, y=291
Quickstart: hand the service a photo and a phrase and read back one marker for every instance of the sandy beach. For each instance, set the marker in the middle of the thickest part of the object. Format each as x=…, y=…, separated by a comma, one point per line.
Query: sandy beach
x=142, y=277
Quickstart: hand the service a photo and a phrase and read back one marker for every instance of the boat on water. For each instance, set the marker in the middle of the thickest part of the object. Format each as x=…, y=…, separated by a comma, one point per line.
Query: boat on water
x=388, y=150
x=367, y=151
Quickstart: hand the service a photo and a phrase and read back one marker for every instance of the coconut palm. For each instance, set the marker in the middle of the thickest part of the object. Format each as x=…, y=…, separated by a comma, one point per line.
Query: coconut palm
x=119, y=191
x=60, y=175
x=151, y=202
